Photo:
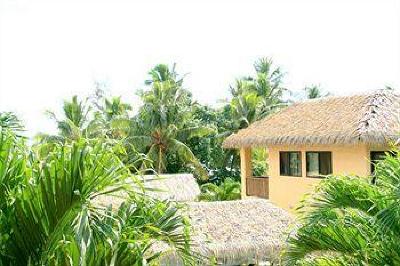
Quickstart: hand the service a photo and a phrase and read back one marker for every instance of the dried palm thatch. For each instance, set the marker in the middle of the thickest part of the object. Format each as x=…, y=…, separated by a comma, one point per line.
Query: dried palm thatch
x=174, y=187
x=235, y=232
x=360, y=119
x=227, y=232
x=239, y=232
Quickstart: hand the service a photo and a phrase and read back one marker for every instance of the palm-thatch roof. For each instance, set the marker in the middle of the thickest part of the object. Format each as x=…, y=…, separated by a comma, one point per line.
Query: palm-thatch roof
x=173, y=187
x=242, y=232
x=239, y=232
x=228, y=233
x=359, y=119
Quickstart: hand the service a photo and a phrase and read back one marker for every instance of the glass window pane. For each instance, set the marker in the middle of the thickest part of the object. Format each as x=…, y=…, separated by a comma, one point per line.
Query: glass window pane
x=318, y=163
x=290, y=163
x=295, y=164
x=312, y=164
x=284, y=163
x=325, y=160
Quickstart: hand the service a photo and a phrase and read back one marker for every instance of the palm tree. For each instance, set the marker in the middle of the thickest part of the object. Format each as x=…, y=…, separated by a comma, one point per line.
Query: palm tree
x=75, y=124
x=268, y=86
x=164, y=125
x=256, y=97
x=112, y=117
x=314, y=91
x=114, y=107
x=50, y=213
x=244, y=109
x=9, y=120
x=350, y=221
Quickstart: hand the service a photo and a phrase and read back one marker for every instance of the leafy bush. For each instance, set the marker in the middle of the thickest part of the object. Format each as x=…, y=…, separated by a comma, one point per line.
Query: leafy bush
x=259, y=161
x=350, y=221
x=227, y=190
x=50, y=213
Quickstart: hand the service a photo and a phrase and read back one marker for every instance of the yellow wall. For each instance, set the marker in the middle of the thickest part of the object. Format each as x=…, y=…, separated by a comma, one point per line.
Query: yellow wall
x=287, y=191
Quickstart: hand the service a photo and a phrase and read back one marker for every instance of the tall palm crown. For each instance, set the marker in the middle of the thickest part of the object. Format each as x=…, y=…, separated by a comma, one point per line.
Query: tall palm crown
x=314, y=91
x=351, y=221
x=164, y=122
x=256, y=97
x=114, y=107
x=111, y=116
x=10, y=121
x=75, y=122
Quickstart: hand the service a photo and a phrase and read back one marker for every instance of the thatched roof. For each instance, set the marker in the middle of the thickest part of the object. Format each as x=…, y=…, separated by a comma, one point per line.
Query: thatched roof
x=236, y=232
x=174, y=187
x=239, y=232
x=370, y=118
x=231, y=232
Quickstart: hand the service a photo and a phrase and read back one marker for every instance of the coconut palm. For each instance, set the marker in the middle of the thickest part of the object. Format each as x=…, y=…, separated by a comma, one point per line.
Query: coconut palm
x=9, y=120
x=112, y=117
x=314, y=91
x=163, y=73
x=164, y=124
x=75, y=124
x=268, y=86
x=244, y=109
x=350, y=221
x=114, y=107
x=256, y=97
x=50, y=213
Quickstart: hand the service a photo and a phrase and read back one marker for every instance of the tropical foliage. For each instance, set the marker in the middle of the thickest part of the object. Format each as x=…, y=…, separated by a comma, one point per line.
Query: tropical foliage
x=50, y=213
x=351, y=221
x=74, y=124
x=111, y=116
x=227, y=190
x=258, y=96
x=252, y=98
x=10, y=121
x=314, y=92
x=165, y=123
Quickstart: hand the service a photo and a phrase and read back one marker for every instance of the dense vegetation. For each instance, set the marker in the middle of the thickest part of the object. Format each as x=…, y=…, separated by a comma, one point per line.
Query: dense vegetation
x=351, y=221
x=176, y=133
x=51, y=212
x=52, y=209
x=227, y=190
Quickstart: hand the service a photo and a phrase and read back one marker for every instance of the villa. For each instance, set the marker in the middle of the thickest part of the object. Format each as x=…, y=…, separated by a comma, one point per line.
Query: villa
x=315, y=138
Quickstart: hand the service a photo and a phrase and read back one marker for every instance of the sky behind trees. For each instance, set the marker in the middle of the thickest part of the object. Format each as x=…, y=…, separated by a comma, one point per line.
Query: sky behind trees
x=50, y=50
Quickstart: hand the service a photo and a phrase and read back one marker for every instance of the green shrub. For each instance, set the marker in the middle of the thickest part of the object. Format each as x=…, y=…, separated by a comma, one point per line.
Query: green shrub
x=50, y=213
x=227, y=190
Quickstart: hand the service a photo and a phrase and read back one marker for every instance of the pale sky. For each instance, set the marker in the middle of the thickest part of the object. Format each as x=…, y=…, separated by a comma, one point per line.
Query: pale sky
x=50, y=50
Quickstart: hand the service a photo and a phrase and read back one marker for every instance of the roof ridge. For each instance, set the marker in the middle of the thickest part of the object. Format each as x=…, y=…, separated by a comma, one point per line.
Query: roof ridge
x=372, y=108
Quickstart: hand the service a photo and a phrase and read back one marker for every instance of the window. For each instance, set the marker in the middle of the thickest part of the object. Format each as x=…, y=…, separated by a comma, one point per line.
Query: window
x=318, y=163
x=376, y=156
x=290, y=163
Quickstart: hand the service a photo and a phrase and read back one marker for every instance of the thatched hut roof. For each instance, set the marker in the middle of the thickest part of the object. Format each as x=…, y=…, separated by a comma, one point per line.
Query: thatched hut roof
x=370, y=118
x=174, y=187
x=238, y=232
x=230, y=232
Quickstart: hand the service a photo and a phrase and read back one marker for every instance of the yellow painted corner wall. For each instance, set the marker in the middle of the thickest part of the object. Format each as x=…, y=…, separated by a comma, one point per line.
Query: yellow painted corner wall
x=287, y=191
